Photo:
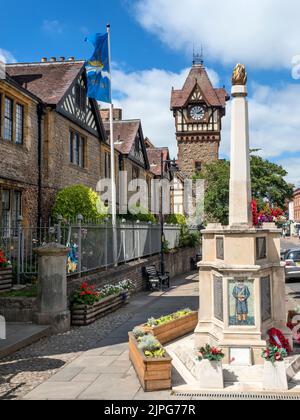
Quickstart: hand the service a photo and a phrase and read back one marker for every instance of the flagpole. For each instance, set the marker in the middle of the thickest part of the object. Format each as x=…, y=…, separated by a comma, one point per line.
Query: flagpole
x=112, y=161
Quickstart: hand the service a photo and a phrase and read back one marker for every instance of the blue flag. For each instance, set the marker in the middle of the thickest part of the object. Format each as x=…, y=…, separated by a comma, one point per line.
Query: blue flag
x=98, y=69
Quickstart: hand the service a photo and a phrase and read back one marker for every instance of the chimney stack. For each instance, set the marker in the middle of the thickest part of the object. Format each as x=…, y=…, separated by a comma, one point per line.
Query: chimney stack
x=44, y=60
x=117, y=114
x=53, y=59
x=62, y=58
x=71, y=58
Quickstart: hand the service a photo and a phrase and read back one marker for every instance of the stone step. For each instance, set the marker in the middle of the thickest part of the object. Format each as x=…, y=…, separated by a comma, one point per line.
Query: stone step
x=20, y=335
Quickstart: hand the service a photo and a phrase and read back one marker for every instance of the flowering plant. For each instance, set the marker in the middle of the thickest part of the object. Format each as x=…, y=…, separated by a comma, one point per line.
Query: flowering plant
x=272, y=215
x=4, y=263
x=86, y=295
x=277, y=339
x=210, y=353
x=274, y=354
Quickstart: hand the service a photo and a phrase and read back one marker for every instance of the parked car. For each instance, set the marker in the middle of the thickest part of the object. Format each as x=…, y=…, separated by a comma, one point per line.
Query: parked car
x=291, y=257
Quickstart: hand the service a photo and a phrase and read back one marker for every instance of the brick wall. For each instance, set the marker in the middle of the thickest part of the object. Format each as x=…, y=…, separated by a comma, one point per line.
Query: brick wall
x=176, y=263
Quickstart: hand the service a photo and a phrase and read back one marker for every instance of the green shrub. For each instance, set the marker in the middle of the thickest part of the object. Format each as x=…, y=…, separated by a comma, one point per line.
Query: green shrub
x=79, y=199
x=189, y=239
x=176, y=219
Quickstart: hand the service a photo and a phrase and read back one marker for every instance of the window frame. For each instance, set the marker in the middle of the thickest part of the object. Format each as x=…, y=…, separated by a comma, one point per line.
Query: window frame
x=21, y=121
x=10, y=120
x=77, y=149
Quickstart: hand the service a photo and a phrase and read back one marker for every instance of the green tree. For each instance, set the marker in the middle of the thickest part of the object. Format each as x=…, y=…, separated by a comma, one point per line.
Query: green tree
x=268, y=184
x=79, y=199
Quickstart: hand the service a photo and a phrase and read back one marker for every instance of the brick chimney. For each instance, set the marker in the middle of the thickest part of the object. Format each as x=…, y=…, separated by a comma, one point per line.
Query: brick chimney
x=44, y=60
x=117, y=114
x=53, y=59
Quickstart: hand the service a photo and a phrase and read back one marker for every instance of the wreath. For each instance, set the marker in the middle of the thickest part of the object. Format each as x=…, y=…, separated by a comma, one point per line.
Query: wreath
x=277, y=339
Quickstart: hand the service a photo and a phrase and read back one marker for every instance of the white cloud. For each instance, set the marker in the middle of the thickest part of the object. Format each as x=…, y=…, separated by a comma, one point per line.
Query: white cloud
x=261, y=33
x=146, y=95
x=53, y=27
x=274, y=121
x=6, y=56
x=292, y=166
x=274, y=113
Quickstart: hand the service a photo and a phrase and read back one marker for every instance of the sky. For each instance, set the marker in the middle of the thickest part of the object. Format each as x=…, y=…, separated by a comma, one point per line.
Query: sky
x=152, y=46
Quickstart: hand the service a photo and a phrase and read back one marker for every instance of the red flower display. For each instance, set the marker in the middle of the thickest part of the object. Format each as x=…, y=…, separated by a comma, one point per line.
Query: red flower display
x=3, y=260
x=277, y=339
x=254, y=213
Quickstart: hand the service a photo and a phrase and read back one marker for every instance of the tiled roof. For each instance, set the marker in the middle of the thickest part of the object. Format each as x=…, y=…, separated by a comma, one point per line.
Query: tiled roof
x=48, y=81
x=198, y=75
x=154, y=157
x=125, y=133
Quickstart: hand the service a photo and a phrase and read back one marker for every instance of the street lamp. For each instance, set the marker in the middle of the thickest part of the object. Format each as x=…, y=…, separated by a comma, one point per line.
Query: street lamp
x=172, y=168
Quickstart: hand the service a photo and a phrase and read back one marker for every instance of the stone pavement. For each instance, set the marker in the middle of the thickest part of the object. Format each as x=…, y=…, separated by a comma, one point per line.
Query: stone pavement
x=104, y=372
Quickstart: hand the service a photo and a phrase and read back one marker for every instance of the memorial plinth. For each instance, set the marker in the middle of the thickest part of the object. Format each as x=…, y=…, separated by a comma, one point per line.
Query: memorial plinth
x=242, y=278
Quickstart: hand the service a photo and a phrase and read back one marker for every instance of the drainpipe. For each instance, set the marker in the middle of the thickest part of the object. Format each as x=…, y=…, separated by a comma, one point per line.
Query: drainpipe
x=40, y=114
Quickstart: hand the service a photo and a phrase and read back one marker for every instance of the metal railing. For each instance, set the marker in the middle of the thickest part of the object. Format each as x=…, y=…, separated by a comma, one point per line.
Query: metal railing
x=91, y=244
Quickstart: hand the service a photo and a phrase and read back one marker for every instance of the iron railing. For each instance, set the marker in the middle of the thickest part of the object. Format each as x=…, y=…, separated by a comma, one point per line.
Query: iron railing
x=91, y=244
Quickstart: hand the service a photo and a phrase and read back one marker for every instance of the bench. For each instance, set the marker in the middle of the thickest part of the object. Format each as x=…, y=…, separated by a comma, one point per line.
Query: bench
x=155, y=279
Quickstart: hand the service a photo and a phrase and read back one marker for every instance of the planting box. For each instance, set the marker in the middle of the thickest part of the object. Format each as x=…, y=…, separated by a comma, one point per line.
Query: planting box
x=6, y=279
x=154, y=374
x=83, y=315
x=174, y=329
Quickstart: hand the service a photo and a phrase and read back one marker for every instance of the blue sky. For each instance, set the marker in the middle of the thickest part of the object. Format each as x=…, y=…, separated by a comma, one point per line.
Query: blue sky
x=152, y=43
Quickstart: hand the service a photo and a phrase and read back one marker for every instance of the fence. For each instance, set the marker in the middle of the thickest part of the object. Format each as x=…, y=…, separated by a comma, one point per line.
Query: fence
x=91, y=244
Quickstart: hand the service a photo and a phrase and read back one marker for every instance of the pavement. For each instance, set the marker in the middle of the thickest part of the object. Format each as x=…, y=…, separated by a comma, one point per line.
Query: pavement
x=105, y=372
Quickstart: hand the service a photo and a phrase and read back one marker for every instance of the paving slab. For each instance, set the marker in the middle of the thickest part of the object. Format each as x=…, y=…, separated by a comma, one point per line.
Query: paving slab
x=20, y=335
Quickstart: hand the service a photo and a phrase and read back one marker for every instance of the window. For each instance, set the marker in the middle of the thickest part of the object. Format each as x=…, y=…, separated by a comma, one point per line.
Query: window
x=11, y=210
x=220, y=248
x=135, y=172
x=6, y=211
x=19, y=123
x=8, y=119
x=12, y=117
x=76, y=149
x=80, y=97
x=71, y=146
x=261, y=248
x=198, y=167
x=107, y=165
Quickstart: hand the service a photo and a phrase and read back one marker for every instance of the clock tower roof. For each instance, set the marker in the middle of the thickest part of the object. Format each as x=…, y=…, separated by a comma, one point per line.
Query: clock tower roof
x=198, y=76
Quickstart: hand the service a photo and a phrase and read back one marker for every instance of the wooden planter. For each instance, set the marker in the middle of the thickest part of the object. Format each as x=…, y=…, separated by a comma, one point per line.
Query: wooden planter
x=6, y=278
x=175, y=329
x=83, y=315
x=154, y=374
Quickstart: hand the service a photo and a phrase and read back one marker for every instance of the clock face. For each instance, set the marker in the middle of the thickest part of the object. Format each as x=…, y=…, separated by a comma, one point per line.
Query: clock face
x=197, y=113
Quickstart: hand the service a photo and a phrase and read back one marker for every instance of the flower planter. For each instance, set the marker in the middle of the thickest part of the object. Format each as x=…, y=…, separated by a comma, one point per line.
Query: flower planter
x=6, y=278
x=209, y=374
x=174, y=329
x=83, y=315
x=154, y=374
x=275, y=377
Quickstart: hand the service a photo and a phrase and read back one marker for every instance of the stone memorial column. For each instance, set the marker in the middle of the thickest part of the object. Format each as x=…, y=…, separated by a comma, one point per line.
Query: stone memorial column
x=52, y=288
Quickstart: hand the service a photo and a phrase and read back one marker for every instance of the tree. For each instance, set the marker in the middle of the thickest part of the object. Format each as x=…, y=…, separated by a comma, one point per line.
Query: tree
x=79, y=199
x=268, y=185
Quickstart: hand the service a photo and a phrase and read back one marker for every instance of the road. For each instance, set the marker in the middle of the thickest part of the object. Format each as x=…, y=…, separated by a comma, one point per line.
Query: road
x=293, y=284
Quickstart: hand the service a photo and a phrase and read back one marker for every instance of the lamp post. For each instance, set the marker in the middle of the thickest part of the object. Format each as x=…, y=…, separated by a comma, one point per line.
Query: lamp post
x=172, y=168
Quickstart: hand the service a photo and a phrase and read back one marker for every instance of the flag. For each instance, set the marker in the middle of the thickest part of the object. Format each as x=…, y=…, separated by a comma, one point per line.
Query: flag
x=98, y=69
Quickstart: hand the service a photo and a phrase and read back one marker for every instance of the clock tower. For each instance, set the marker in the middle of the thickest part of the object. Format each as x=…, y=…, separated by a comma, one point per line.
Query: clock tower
x=198, y=109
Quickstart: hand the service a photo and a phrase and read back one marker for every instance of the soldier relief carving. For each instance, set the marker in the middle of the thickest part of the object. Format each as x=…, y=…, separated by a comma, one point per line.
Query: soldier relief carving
x=239, y=76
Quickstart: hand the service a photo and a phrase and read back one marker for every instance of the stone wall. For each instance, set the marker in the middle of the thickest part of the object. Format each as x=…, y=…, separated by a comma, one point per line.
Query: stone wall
x=18, y=309
x=191, y=151
x=177, y=263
